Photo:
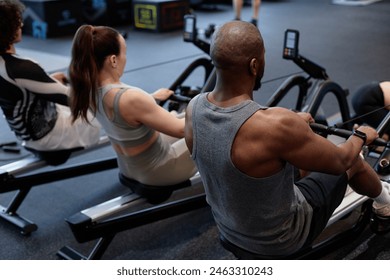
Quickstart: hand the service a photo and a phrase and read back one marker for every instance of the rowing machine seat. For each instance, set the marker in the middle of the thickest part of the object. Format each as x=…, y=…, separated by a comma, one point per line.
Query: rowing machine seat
x=243, y=254
x=56, y=157
x=154, y=194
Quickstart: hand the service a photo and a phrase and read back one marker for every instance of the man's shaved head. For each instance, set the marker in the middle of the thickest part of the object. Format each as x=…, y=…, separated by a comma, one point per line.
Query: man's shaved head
x=234, y=44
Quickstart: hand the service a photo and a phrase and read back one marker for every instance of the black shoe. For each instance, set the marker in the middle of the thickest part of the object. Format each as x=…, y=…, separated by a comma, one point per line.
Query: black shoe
x=254, y=22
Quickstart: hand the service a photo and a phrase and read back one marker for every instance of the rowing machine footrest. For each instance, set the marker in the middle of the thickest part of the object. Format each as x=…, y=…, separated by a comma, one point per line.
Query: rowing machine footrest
x=379, y=225
x=382, y=166
x=56, y=157
x=154, y=194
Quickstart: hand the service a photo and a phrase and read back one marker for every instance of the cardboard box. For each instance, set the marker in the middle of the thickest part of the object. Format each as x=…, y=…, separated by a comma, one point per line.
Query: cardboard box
x=51, y=18
x=107, y=12
x=159, y=15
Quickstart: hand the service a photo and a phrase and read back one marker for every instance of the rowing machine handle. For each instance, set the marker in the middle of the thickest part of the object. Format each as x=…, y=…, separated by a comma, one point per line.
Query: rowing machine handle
x=175, y=97
x=180, y=98
x=342, y=133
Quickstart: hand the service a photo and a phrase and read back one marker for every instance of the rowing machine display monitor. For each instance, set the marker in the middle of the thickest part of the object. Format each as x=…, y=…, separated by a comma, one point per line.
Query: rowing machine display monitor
x=290, y=51
x=291, y=41
x=189, y=28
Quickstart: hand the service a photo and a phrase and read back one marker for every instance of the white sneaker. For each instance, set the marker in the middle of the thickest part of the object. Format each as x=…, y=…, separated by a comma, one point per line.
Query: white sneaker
x=381, y=210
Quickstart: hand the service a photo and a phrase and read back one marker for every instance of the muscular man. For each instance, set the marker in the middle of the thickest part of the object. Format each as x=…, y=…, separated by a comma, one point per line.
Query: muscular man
x=247, y=155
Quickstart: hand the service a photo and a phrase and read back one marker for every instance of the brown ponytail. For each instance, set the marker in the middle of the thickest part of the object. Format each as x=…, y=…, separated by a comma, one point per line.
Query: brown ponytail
x=91, y=46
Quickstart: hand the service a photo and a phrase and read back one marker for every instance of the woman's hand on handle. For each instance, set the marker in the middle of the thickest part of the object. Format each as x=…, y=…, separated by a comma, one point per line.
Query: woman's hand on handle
x=162, y=94
x=61, y=77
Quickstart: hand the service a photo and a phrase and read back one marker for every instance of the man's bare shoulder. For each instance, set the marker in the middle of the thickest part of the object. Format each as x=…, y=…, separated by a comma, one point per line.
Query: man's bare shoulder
x=273, y=117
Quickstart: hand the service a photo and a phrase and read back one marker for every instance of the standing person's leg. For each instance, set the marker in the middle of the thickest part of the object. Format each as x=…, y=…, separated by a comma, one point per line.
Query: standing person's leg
x=255, y=9
x=237, y=6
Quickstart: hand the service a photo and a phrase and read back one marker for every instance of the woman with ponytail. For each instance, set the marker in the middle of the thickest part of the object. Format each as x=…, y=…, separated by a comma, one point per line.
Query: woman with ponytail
x=147, y=139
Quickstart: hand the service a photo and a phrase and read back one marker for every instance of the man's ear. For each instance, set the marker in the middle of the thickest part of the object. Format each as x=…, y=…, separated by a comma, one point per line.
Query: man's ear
x=253, y=65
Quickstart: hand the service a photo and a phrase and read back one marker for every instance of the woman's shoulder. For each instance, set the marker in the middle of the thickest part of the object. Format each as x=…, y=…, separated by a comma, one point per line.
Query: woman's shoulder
x=122, y=87
x=125, y=92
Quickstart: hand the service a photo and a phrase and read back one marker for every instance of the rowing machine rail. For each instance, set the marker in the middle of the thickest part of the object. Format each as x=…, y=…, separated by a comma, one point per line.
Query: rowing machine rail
x=99, y=223
x=14, y=177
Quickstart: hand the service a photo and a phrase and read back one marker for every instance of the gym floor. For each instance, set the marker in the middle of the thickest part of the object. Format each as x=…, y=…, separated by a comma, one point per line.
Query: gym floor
x=351, y=42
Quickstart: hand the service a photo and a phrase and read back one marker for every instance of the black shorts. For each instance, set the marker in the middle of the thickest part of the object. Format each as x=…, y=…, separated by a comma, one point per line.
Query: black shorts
x=324, y=193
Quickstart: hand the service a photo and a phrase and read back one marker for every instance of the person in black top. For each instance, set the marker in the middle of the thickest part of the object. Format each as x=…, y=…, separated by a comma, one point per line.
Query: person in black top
x=35, y=103
x=371, y=102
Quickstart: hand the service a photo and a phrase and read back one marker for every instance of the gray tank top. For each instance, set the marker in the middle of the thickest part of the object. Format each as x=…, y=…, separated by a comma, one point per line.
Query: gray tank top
x=269, y=215
x=116, y=128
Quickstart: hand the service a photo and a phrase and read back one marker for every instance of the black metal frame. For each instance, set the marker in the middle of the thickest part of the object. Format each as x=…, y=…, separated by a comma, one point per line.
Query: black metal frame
x=85, y=229
x=200, y=62
x=312, y=90
x=10, y=181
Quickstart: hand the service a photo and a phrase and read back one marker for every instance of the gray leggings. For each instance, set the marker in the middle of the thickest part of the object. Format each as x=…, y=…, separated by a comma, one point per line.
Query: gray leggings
x=167, y=162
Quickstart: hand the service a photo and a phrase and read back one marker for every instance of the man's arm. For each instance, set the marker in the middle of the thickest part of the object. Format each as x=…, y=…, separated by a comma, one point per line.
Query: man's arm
x=310, y=151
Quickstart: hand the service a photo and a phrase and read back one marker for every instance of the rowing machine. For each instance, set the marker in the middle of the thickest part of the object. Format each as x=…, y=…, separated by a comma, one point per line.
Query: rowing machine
x=102, y=222
x=22, y=175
